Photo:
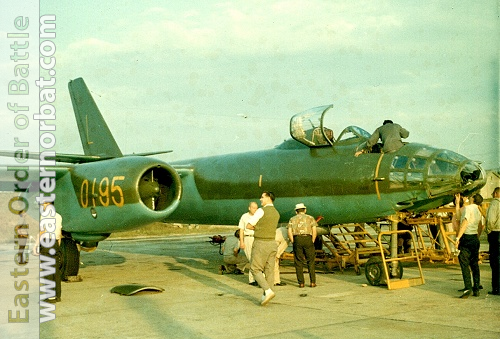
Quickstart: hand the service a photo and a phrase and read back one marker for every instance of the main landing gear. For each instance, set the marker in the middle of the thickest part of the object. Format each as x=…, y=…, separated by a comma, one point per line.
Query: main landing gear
x=70, y=263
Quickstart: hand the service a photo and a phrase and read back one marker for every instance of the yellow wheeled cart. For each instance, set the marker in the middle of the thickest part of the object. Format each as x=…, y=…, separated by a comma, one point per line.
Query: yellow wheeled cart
x=381, y=270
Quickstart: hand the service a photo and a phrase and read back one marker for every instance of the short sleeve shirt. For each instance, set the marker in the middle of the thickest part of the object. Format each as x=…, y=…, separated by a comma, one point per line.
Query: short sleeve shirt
x=244, y=222
x=493, y=216
x=230, y=245
x=473, y=216
x=302, y=224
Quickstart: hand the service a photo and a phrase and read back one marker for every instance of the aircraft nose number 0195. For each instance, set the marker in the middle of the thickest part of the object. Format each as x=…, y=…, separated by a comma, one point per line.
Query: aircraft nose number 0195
x=103, y=194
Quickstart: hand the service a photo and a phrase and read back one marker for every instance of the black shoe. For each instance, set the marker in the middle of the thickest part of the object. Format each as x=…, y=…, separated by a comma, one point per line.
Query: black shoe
x=237, y=271
x=463, y=289
x=281, y=283
x=253, y=283
x=493, y=293
x=475, y=293
x=466, y=294
x=480, y=287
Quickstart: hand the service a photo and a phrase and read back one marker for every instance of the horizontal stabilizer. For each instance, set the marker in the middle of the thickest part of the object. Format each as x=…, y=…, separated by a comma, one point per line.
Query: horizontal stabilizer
x=74, y=158
x=144, y=154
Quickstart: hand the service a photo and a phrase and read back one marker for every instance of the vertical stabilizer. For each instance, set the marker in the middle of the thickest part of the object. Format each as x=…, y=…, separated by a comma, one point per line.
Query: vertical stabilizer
x=94, y=132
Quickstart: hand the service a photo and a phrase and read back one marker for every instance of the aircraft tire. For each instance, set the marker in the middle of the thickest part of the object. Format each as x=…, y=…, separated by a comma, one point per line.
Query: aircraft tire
x=374, y=271
x=70, y=258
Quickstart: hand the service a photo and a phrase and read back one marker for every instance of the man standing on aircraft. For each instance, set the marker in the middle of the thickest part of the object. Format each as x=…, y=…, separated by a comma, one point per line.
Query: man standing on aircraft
x=246, y=237
x=302, y=233
x=493, y=231
x=468, y=243
x=390, y=134
x=264, y=222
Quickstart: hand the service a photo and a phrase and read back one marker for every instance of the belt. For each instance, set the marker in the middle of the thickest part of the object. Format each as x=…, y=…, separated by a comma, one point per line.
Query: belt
x=248, y=235
x=303, y=235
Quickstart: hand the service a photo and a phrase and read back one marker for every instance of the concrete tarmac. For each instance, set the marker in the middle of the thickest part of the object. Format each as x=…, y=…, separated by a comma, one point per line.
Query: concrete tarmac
x=200, y=303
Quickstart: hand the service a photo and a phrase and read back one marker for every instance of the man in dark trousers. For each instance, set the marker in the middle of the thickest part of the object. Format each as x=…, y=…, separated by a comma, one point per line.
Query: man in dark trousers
x=493, y=231
x=467, y=241
x=48, y=244
x=302, y=233
x=264, y=222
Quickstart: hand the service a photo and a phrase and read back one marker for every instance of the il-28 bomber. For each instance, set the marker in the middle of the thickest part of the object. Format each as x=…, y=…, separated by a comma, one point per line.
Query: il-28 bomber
x=104, y=191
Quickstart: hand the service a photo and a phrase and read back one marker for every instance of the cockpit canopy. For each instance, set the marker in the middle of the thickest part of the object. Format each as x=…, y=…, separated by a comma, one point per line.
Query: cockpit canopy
x=307, y=128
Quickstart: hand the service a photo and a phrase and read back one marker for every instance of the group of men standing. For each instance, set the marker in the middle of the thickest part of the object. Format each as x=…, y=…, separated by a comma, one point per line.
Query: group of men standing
x=263, y=243
x=260, y=238
x=470, y=219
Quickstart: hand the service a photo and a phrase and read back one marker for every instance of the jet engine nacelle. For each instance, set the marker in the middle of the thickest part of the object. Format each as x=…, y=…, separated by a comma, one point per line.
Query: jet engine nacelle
x=118, y=195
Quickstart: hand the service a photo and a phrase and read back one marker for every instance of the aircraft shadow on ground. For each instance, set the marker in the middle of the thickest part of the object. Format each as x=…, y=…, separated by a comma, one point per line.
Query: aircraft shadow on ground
x=101, y=257
x=200, y=252
x=200, y=255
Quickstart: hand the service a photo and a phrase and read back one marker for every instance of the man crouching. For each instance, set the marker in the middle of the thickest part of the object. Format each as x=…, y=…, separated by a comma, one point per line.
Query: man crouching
x=234, y=261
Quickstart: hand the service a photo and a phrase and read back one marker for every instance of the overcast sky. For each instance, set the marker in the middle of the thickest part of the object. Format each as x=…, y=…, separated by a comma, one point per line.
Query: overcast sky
x=183, y=75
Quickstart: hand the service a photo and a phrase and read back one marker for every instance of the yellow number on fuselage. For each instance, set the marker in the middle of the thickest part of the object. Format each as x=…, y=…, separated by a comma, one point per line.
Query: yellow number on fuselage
x=105, y=194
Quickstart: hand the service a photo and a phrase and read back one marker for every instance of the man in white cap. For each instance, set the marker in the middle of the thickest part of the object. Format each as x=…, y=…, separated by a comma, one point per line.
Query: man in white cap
x=302, y=233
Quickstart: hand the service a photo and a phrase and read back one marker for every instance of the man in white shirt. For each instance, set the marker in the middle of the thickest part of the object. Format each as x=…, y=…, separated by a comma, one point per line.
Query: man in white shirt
x=471, y=227
x=282, y=243
x=246, y=236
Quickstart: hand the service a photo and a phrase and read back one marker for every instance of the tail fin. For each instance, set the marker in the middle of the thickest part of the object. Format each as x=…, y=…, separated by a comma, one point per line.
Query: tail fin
x=94, y=132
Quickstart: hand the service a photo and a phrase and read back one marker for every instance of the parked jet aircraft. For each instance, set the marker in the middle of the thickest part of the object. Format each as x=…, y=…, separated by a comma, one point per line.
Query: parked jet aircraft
x=103, y=191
